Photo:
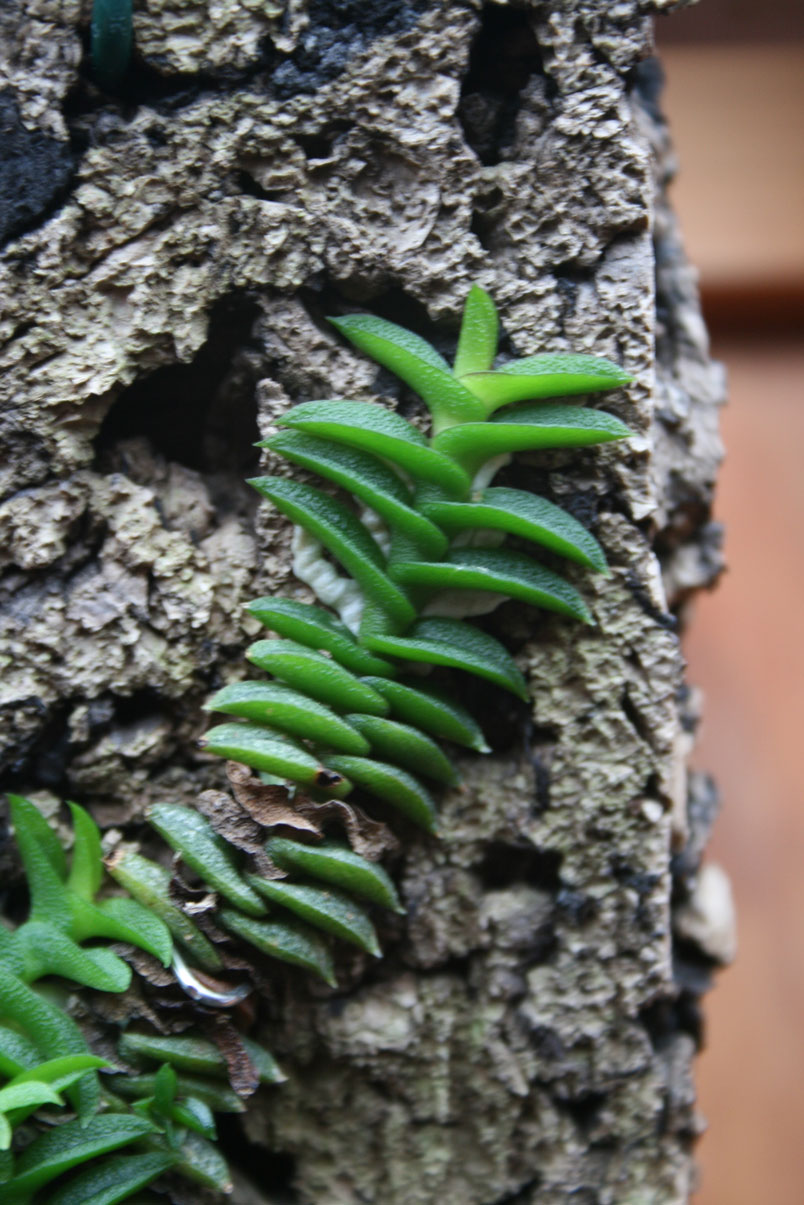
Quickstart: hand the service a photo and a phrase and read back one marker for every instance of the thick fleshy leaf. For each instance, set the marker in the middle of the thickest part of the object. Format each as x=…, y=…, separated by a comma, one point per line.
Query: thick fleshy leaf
x=195, y=1054
x=275, y=754
x=215, y=1094
x=114, y=1179
x=149, y=883
x=112, y=38
x=312, y=626
x=86, y=870
x=387, y=782
x=54, y=1033
x=286, y=709
x=30, y=822
x=406, y=746
x=337, y=864
x=455, y=643
x=17, y=1053
x=527, y=429
x=433, y=711
x=201, y=1161
x=29, y=1094
x=343, y=535
x=49, y=951
x=49, y=898
x=378, y=430
x=61, y=1072
x=525, y=515
x=417, y=363
x=315, y=675
x=368, y=478
x=324, y=908
x=71, y=1144
x=544, y=376
x=288, y=941
x=192, y=836
x=501, y=572
x=196, y=1115
x=134, y=922
x=477, y=343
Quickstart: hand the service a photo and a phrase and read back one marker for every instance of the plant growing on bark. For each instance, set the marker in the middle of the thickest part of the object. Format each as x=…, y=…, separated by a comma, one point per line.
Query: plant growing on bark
x=422, y=544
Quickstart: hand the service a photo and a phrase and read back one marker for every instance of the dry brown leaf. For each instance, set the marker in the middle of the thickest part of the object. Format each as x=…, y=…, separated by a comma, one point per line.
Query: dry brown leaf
x=230, y=821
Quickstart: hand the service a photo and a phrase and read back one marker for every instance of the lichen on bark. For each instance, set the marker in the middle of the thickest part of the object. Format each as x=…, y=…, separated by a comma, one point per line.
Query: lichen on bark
x=526, y=1038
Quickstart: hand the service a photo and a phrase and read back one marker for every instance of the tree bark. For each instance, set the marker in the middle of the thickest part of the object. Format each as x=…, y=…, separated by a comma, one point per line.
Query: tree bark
x=172, y=253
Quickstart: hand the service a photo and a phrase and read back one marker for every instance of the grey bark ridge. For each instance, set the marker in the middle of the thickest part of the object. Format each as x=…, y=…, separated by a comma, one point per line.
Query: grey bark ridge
x=527, y=1038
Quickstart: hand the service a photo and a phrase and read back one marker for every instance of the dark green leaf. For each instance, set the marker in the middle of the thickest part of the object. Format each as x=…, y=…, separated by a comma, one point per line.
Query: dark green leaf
x=165, y=1088
x=287, y=709
x=324, y=908
x=17, y=1053
x=527, y=429
x=218, y=1097
x=316, y=628
x=316, y=675
x=417, y=363
x=113, y=1180
x=49, y=898
x=369, y=479
x=458, y=644
x=149, y=883
x=195, y=1054
x=288, y=941
x=379, y=430
x=199, y=1160
x=427, y=708
x=406, y=746
x=70, y=1144
x=500, y=572
x=191, y=835
x=342, y=534
x=336, y=864
x=523, y=514
x=274, y=754
x=387, y=782
x=477, y=344
x=130, y=921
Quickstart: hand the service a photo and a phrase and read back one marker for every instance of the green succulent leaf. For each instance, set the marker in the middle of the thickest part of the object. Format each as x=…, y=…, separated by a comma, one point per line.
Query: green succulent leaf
x=544, y=376
x=387, y=782
x=31, y=825
x=324, y=908
x=320, y=677
x=49, y=951
x=165, y=1088
x=199, y=1160
x=54, y=1033
x=341, y=534
x=378, y=430
x=526, y=515
x=406, y=746
x=317, y=629
x=217, y=1097
x=86, y=871
x=276, y=754
x=30, y=1093
x=149, y=883
x=287, y=941
x=62, y=1072
x=369, y=479
x=339, y=865
x=477, y=343
x=290, y=711
x=433, y=711
x=49, y=898
x=196, y=1055
x=191, y=836
x=455, y=643
x=114, y=1179
x=133, y=922
x=112, y=40
x=500, y=572
x=17, y=1053
x=528, y=429
x=417, y=363
x=196, y=1115
x=68, y=1145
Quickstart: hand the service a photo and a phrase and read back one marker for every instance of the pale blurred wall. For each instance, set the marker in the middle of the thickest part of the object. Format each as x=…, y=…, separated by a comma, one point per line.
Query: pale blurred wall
x=735, y=101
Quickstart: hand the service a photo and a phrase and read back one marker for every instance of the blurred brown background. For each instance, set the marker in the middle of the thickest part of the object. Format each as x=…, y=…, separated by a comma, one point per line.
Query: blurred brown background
x=735, y=101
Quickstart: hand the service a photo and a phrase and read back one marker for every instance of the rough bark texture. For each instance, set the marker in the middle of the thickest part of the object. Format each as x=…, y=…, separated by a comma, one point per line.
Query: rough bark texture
x=172, y=254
